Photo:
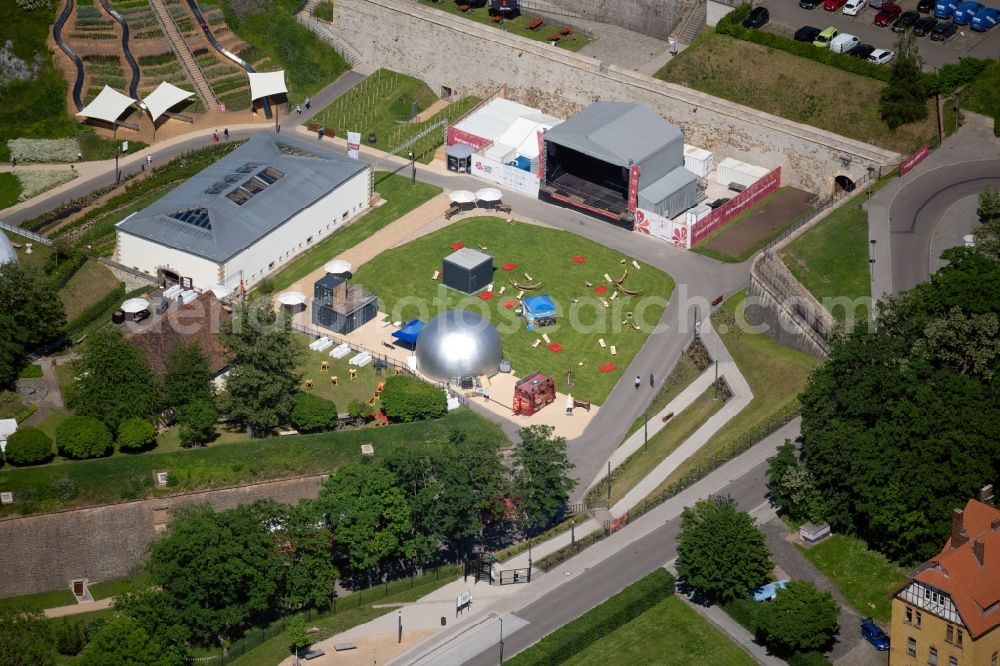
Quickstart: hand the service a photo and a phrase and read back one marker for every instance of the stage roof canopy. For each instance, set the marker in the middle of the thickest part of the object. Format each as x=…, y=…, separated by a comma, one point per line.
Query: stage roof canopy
x=615, y=132
x=164, y=97
x=263, y=84
x=107, y=106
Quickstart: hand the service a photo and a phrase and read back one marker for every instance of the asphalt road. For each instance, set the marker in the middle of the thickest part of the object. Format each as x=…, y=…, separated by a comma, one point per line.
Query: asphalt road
x=919, y=208
x=787, y=17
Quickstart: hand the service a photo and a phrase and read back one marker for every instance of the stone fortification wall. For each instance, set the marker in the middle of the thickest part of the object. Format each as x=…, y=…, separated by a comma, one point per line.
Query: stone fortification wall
x=469, y=58
x=47, y=551
x=656, y=18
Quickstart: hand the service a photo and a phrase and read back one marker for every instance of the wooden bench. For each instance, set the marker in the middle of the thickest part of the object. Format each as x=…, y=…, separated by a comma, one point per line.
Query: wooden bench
x=340, y=647
x=312, y=653
x=452, y=211
x=536, y=24
x=463, y=8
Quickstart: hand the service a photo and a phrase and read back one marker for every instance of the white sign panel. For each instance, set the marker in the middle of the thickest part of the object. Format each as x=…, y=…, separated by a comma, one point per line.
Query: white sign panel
x=353, y=144
x=6, y=498
x=649, y=223
x=509, y=177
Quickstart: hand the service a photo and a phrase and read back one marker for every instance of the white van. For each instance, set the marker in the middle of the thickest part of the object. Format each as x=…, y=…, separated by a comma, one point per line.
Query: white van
x=843, y=43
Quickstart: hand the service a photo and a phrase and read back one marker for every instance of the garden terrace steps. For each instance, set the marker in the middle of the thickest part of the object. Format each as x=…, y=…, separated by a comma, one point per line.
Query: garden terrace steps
x=185, y=56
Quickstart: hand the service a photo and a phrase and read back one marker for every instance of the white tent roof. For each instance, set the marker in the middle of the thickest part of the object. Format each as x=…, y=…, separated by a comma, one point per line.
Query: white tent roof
x=494, y=118
x=164, y=97
x=263, y=84
x=108, y=106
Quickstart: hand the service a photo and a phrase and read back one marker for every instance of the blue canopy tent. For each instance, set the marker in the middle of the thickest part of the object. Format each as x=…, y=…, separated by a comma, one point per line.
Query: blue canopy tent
x=409, y=332
x=539, y=310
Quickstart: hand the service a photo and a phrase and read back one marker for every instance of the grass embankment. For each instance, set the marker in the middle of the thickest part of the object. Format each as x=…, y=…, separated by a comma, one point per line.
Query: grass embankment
x=983, y=94
x=795, y=88
x=87, y=286
x=383, y=105
x=402, y=279
x=776, y=376
x=518, y=26
x=683, y=373
x=865, y=577
x=127, y=477
x=10, y=190
x=53, y=599
x=400, y=198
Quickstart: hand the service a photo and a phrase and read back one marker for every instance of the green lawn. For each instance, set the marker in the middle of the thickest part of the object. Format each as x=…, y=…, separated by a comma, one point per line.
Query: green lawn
x=983, y=94
x=866, y=578
x=112, y=588
x=776, y=375
x=53, y=599
x=128, y=477
x=13, y=407
x=87, y=286
x=683, y=373
x=400, y=198
x=382, y=104
x=362, y=388
x=10, y=189
x=402, y=279
x=518, y=26
x=39, y=257
x=669, y=633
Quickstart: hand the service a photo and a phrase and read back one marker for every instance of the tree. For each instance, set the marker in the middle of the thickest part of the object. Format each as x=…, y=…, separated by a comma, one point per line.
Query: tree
x=82, y=437
x=30, y=298
x=28, y=446
x=123, y=642
x=188, y=378
x=12, y=352
x=197, y=422
x=720, y=551
x=24, y=638
x=297, y=636
x=408, y=399
x=368, y=514
x=989, y=204
x=70, y=636
x=136, y=434
x=358, y=408
x=219, y=570
x=154, y=610
x=792, y=486
x=113, y=380
x=800, y=618
x=776, y=467
x=262, y=380
x=904, y=100
x=540, y=481
x=312, y=413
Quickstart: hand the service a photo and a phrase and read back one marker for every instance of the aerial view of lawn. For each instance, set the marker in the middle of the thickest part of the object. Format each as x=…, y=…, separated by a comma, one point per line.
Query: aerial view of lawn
x=361, y=388
x=87, y=286
x=402, y=279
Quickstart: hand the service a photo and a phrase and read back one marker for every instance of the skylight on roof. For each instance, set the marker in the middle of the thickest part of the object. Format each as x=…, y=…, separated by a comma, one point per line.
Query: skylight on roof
x=258, y=183
x=196, y=217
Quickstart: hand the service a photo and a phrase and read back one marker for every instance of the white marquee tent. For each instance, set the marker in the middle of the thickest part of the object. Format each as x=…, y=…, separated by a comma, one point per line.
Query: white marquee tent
x=165, y=96
x=263, y=84
x=108, y=106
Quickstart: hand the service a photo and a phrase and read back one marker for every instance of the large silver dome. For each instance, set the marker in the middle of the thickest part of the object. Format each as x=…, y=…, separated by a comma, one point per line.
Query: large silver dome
x=7, y=252
x=456, y=344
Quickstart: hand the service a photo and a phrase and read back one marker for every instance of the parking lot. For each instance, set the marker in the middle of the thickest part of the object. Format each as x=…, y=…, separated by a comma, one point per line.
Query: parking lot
x=787, y=17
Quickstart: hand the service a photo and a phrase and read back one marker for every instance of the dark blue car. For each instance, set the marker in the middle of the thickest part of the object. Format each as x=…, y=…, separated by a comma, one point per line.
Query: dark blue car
x=872, y=633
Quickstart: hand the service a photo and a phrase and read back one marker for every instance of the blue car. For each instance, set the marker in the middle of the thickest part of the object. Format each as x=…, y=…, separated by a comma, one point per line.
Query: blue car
x=985, y=19
x=965, y=11
x=944, y=9
x=872, y=633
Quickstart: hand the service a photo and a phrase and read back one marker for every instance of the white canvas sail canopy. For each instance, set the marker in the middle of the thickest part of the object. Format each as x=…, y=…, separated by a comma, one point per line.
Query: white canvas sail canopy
x=108, y=106
x=263, y=84
x=165, y=96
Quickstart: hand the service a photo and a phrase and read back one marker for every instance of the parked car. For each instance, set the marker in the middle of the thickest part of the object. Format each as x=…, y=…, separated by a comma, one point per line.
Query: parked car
x=809, y=4
x=985, y=19
x=924, y=26
x=861, y=51
x=906, y=20
x=806, y=33
x=872, y=633
x=942, y=32
x=833, y=5
x=843, y=43
x=889, y=13
x=756, y=18
x=881, y=56
x=769, y=591
x=162, y=306
x=945, y=8
x=926, y=6
x=854, y=7
x=876, y=4
x=965, y=11
x=823, y=39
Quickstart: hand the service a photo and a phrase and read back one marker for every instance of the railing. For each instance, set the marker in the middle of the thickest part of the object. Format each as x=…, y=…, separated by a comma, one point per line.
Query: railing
x=30, y=235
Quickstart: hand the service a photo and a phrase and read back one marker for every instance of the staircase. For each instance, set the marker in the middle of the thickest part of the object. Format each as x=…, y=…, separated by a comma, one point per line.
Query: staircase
x=184, y=55
x=693, y=23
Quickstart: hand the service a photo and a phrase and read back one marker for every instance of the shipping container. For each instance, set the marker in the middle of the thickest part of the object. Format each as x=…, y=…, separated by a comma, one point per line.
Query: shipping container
x=697, y=213
x=698, y=161
x=734, y=171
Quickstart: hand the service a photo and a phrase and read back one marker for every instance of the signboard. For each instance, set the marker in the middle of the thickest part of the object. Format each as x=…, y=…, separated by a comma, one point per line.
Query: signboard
x=162, y=478
x=745, y=199
x=914, y=159
x=353, y=144
x=509, y=177
x=124, y=146
x=463, y=601
x=458, y=136
x=633, y=188
x=651, y=224
x=6, y=498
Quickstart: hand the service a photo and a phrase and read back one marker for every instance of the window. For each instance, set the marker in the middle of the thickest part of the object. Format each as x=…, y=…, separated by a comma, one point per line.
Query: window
x=344, y=216
x=911, y=647
x=909, y=615
x=932, y=657
x=949, y=634
x=919, y=617
x=958, y=638
x=309, y=240
x=952, y=661
x=993, y=659
x=270, y=266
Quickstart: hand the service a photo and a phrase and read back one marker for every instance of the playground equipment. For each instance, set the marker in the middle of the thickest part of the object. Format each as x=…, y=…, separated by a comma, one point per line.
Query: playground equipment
x=533, y=393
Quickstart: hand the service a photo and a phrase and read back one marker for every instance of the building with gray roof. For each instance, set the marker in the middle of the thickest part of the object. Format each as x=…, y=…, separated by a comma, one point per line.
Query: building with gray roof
x=247, y=215
x=592, y=158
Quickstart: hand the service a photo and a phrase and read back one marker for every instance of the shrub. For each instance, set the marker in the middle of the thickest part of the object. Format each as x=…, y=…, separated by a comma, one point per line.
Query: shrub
x=407, y=399
x=357, y=408
x=36, y=181
x=44, y=150
x=266, y=285
x=313, y=414
x=743, y=611
x=135, y=434
x=70, y=637
x=808, y=659
x=198, y=422
x=82, y=437
x=29, y=446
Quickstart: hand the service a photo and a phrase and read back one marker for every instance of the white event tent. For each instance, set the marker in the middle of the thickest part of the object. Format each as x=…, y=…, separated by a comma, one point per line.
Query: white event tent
x=107, y=106
x=265, y=84
x=165, y=96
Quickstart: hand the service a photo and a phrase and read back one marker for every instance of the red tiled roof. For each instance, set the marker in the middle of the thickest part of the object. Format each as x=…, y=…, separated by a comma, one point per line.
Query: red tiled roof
x=198, y=321
x=974, y=588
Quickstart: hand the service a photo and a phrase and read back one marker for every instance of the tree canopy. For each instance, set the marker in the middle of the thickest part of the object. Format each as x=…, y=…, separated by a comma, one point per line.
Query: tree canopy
x=123, y=642
x=24, y=638
x=800, y=618
x=30, y=298
x=541, y=482
x=904, y=100
x=187, y=378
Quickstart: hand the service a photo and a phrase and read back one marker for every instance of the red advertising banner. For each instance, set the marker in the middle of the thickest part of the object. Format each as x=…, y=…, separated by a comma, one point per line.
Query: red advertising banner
x=914, y=159
x=541, y=155
x=458, y=136
x=745, y=199
x=633, y=188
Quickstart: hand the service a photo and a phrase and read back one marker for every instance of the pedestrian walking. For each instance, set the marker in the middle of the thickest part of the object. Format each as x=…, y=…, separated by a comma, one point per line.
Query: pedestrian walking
x=638, y=382
x=149, y=160
x=225, y=133
x=13, y=161
x=298, y=109
x=215, y=136
x=79, y=157
x=309, y=103
x=651, y=380
x=673, y=47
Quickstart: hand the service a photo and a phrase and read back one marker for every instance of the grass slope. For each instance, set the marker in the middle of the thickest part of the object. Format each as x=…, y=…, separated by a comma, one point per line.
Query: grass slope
x=10, y=190
x=983, y=94
x=402, y=279
x=794, y=88
x=87, y=286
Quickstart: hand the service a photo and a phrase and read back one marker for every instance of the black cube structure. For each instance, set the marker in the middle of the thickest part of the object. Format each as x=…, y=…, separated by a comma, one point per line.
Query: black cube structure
x=467, y=270
x=340, y=307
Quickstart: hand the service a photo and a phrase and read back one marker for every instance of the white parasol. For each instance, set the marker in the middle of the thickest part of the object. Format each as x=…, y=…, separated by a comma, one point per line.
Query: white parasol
x=337, y=266
x=462, y=196
x=133, y=305
x=489, y=194
x=292, y=298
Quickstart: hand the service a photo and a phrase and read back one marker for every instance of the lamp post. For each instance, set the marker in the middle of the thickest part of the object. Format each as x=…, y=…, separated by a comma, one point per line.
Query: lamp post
x=117, y=152
x=716, y=383
x=501, y=640
x=645, y=428
x=413, y=168
x=962, y=34
x=276, y=128
x=871, y=258
x=572, y=532
x=400, y=634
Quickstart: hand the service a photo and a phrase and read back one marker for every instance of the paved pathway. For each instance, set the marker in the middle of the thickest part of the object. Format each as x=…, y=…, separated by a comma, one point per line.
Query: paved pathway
x=76, y=609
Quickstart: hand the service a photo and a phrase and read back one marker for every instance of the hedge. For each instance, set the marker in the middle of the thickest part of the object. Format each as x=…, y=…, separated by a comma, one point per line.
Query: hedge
x=407, y=399
x=593, y=625
x=28, y=446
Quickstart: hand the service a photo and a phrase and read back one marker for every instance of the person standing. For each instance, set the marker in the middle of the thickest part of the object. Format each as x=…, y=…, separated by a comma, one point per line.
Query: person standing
x=298, y=109
x=215, y=136
x=13, y=161
x=673, y=47
x=638, y=382
x=225, y=133
x=149, y=160
x=309, y=103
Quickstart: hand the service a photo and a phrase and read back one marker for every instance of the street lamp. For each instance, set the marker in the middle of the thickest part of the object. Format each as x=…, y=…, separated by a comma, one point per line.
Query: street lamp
x=871, y=259
x=501, y=639
x=413, y=168
x=962, y=35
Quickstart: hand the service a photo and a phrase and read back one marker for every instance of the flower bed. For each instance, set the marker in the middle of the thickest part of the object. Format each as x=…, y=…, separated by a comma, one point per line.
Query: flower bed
x=34, y=182
x=44, y=150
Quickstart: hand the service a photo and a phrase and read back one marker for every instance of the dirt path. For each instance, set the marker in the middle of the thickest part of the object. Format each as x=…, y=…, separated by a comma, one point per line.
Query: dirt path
x=431, y=110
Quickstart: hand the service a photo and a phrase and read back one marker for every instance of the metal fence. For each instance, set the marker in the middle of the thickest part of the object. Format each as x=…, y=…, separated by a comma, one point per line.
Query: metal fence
x=30, y=235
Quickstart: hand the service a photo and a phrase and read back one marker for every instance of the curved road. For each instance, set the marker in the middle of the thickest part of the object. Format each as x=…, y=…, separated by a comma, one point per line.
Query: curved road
x=57, y=36
x=133, y=86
